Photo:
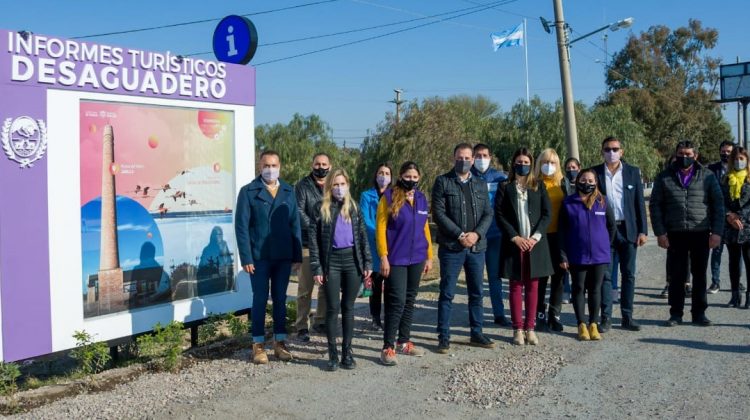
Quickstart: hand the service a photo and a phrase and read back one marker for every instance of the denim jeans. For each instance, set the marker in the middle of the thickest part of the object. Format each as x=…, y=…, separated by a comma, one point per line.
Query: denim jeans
x=277, y=272
x=495, y=283
x=716, y=264
x=341, y=288
x=626, y=252
x=451, y=263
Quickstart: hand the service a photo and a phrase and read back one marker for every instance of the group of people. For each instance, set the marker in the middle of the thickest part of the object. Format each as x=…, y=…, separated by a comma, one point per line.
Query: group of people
x=544, y=223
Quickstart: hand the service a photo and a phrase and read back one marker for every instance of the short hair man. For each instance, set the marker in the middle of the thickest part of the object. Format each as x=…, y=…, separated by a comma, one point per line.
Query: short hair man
x=622, y=185
x=309, y=192
x=483, y=169
x=463, y=214
x=268, y=198
x=687, y=215
x=719, y=169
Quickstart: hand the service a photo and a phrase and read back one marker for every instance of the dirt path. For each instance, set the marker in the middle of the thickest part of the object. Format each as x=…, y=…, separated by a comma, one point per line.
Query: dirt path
x=681, y=372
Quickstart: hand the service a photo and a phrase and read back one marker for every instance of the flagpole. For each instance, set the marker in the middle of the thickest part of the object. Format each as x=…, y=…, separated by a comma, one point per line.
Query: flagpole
x=526, y=58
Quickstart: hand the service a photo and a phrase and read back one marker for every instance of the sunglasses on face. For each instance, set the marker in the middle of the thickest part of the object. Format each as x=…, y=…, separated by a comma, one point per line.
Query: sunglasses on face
x=611, y=149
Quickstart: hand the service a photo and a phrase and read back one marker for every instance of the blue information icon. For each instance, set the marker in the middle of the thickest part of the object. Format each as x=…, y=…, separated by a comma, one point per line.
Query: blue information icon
x=235, y=40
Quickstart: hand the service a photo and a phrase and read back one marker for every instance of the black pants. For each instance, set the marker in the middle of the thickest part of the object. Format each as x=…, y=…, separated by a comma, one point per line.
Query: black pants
x=555, y=282
x=688, y=251
x=587, y=279
x=341, y=287
x=626, y=256
x=401, y=289
x=737, y=251
x=376, y=296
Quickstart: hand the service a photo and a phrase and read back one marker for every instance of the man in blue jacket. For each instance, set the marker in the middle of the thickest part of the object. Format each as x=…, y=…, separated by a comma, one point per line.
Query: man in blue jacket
x=621, y=184
x=267, y=226
x=483, y=169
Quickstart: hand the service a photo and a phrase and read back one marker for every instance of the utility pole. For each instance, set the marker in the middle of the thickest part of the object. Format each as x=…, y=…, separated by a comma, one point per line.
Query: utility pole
x=741, y=140
x=398, y=103
x=571, y=132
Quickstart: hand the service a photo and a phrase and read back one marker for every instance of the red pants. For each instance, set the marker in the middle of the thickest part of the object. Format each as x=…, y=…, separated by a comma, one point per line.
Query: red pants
x=523, y=290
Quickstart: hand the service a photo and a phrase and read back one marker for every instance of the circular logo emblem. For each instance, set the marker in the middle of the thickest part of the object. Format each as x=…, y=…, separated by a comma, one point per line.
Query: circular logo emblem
x=24, y=140
x=235, y=40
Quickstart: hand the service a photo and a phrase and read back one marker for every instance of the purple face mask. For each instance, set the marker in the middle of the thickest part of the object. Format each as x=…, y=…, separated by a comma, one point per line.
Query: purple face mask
x=383, y=181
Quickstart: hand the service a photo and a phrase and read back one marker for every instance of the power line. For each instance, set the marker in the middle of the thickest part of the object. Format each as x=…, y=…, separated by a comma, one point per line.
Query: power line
x=499, y=10
x=409, y=12
x=386, y=34
x=174, y=25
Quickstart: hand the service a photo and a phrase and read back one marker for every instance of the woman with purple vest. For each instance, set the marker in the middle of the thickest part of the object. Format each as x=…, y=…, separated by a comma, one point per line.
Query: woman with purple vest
x=405, y=249
x=586, y=229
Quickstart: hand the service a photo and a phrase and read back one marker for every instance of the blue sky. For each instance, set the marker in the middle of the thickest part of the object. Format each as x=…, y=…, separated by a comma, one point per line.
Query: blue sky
x=350, y=87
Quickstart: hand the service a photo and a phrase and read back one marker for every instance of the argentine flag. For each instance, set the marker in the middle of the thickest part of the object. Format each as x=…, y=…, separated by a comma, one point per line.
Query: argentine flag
x=508, y=38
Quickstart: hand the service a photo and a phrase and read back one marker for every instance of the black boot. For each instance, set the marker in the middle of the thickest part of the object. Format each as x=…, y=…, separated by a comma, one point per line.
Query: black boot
x=333, y=358
x=747, y=300
x=735, y=301
x=541, y=322
x=347, y=358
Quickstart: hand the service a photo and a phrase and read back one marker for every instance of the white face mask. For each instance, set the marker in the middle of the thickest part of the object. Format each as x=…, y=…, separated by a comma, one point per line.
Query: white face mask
x=740, y=164
x=339, y=192
x=612, y=157
x=482, y=164
x=549, y=169
x=270, y=174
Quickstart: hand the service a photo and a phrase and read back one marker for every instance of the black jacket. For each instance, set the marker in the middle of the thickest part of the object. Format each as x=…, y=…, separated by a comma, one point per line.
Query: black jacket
x=634, y=205
x=540, y=214
x=309, y=195
x=449, y=211
x=718, y=170
x=699, y=207
x=321, y=241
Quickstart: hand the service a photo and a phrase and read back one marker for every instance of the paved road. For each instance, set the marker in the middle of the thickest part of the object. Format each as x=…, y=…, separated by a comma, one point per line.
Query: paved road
x=681, y=372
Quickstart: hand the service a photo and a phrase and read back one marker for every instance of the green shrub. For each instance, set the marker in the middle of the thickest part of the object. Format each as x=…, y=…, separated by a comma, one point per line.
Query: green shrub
x=9, y=372
x=237, y=326
x=163, y=348
x=92, y=357
x=210, y=329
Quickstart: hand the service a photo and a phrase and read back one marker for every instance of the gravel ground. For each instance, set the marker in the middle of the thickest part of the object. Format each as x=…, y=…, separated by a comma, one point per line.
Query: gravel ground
x=681, y=372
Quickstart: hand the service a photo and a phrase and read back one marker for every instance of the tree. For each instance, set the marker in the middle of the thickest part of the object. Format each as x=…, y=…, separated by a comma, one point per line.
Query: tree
x=298, y=141
x=668, y=80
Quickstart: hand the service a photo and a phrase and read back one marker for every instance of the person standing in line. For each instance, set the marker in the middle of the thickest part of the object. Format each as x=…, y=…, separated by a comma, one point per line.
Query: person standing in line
x=547, y=169
x=267, y=214
x=687, y=215
x=720, y=170
x=368, y=204
x=461, y=209
x=621, y=184
x=405, y=248
x=572, y=169
x=309, y=193
x=736, y=189
x=483, y=169
x=587, y=227
x=524, y=213
x=340, y=261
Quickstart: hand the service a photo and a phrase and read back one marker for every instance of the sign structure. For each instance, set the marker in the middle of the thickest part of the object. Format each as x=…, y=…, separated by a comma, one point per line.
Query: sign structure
x=735, y=82
x=235, y=40
x=119, y=169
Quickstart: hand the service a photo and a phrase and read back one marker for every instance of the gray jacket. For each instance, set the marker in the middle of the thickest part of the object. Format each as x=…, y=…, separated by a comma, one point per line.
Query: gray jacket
x=449, y=211
x=699, y=207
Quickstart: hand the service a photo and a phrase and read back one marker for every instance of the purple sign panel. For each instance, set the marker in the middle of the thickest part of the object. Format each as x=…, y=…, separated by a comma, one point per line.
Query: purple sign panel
x=30, y=65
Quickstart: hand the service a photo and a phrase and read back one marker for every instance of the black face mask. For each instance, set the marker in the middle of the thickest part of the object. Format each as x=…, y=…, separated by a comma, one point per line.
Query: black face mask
x=522, y=170
x=571, y=175
x=684, y=162
x=320, y=172
x=407, y=184
x=585, y=188
x=724, y=158
x=462, y=166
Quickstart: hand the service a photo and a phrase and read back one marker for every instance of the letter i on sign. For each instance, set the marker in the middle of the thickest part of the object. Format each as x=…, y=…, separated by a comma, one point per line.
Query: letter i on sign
x=230, y=40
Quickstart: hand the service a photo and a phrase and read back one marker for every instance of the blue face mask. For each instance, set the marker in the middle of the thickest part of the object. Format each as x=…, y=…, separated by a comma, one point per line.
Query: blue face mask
x=522, y=170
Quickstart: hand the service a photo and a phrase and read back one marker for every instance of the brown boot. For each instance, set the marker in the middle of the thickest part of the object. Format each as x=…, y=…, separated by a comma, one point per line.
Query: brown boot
x=259, y=354
x=281, y=352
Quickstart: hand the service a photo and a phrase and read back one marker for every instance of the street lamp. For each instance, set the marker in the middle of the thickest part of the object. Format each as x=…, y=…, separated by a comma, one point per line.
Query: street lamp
x=563, y=45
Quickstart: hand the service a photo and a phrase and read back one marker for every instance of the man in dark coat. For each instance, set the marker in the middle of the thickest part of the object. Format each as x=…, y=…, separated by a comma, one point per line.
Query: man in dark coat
x=621, y=184
x=719, y=169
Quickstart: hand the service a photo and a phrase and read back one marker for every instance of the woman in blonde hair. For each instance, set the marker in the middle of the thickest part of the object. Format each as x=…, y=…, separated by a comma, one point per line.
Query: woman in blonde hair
x=523, y=214
x=405, y=249
x=548, y=170
x=587, y=228
x=340, y=261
